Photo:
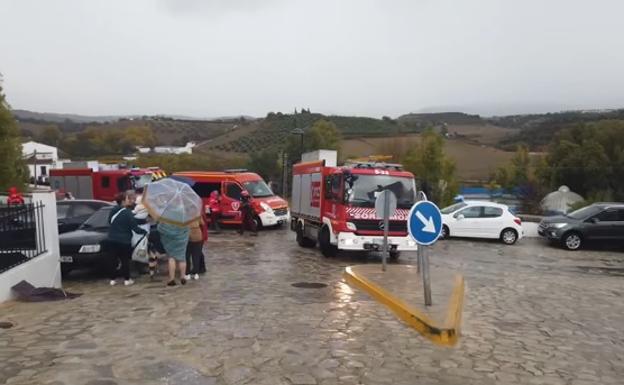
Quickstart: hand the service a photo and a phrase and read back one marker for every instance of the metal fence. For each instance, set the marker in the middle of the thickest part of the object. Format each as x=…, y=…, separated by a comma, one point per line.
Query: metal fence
x=22, y=234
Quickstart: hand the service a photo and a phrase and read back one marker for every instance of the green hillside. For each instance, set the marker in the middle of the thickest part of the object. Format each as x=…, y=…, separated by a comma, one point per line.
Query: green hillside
x=537, y=130
x=273, y=131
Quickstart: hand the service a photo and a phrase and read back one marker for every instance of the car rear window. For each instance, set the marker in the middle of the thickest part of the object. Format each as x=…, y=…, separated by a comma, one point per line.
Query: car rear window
x=492, y=212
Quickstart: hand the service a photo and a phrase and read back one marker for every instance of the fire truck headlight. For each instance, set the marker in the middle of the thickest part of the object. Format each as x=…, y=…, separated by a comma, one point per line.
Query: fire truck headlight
x=351, y=226
x=266, y=207
x=347, y=241
x=411, y=243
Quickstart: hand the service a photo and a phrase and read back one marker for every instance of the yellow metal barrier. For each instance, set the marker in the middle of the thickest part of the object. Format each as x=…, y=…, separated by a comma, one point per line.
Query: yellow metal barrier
x=446, y=334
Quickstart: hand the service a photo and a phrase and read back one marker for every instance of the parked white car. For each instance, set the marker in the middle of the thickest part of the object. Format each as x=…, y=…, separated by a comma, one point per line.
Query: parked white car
x=476, y=219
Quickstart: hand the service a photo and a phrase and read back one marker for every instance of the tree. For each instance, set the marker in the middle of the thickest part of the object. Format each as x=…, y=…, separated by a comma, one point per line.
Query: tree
x=266, y=164
x=516, y=173
x=524, y=177
x=588, y=158
x=13, y=171
x=322, y=135
x=433, y=168
x=50, y=135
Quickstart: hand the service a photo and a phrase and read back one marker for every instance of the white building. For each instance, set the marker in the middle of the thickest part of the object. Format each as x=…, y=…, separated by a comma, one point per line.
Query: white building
x=175, y=150
x=40, y=158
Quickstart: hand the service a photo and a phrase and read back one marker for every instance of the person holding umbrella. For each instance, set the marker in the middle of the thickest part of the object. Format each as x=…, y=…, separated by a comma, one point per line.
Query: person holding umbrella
x=175, y=206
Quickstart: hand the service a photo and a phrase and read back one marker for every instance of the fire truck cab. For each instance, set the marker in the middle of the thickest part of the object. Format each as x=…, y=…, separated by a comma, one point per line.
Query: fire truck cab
x=335, y=206
x=85, y=183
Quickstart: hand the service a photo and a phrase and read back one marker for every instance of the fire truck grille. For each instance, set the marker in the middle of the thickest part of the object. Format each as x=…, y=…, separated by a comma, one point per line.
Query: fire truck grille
x=367, y=225
x=281, y=211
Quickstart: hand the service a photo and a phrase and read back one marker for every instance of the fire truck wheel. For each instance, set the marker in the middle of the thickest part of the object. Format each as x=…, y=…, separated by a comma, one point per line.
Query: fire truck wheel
x=302, y=240
x=327, y=248
x=394, y=255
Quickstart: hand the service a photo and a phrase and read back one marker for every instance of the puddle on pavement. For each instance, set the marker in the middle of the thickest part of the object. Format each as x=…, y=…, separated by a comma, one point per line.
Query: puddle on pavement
x=176, y=373
x=309, y=285
x=614, y=271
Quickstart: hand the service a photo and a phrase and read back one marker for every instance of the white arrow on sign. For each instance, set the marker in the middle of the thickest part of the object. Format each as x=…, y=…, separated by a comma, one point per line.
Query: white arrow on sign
x=429, y=225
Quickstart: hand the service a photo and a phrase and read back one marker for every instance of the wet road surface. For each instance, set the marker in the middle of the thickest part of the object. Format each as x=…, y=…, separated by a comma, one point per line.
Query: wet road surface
x=534, y=314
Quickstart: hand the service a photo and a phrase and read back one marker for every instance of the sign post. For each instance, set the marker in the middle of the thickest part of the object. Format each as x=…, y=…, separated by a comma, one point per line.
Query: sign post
x=424, y=225
x=385, y=206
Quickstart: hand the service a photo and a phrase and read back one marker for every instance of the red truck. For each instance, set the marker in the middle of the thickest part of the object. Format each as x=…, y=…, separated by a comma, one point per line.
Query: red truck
x=84, y=183
x=335, y=206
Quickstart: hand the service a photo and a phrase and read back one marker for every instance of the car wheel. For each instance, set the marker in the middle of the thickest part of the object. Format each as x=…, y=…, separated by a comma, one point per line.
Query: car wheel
x=258, y=222
x=509, y=236
x=302, y=240
x=327, y=248
x=394, y=255
x=445, y=233
x=572, y=241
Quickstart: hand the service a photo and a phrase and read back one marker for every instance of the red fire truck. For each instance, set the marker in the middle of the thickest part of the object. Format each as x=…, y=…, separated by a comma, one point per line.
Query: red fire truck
x=84, y=183
x=335, y=206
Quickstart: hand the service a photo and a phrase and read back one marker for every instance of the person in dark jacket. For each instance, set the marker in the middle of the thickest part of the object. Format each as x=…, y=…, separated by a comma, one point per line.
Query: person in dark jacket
x=119, y=241
x=247, y=215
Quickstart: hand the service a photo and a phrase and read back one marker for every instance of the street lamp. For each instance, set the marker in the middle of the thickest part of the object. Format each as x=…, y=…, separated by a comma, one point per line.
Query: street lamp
x=300, y=132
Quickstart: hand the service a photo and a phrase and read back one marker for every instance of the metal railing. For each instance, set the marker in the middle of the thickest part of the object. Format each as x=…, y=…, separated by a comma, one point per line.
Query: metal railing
x=22, y=234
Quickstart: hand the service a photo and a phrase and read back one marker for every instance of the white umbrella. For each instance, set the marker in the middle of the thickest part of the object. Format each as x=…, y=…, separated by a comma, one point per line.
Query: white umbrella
x=172, y=202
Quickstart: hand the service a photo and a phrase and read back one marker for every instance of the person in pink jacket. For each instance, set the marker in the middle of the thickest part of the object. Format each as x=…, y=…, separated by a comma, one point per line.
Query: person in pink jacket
x=214, y=204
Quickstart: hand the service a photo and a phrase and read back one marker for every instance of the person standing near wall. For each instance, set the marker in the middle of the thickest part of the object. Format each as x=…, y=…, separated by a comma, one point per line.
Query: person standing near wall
x=118, y=243
x=15, y=197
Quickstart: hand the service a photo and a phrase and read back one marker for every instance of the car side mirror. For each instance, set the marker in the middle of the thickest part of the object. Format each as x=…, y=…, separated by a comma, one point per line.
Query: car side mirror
x=459, y=217
x=594, y=220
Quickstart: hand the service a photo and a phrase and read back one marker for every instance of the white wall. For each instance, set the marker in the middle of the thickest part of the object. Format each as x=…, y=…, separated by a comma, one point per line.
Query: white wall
x=44, y=270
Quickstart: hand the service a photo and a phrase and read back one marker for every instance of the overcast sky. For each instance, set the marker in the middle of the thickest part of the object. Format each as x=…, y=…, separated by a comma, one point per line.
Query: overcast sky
x=209, y=58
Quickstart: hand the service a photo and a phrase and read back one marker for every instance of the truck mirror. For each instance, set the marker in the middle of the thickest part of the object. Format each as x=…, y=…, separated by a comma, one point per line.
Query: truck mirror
x=348, y=194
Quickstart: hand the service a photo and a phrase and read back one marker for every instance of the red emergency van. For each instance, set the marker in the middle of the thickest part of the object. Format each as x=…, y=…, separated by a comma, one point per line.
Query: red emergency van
x=270, y=209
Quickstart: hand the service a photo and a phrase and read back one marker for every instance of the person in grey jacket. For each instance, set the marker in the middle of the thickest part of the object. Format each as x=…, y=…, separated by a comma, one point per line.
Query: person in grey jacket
x=118, y=243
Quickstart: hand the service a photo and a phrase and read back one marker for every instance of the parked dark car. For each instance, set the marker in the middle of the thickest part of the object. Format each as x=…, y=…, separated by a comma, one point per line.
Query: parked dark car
x=72, y=213
x=598, y=222
x=84, y=247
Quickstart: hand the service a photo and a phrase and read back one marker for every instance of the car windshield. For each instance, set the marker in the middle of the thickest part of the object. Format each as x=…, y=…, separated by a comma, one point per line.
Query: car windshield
x=364, y=190
x=98, y=220
x=258, y=189
x=585, y=212
x=452, y=208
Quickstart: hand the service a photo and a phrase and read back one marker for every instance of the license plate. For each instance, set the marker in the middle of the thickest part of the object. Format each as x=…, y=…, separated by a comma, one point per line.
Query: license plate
x=67, y=259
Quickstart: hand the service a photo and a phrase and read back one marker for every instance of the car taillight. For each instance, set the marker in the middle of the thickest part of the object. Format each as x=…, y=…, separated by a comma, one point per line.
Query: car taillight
x=518, y=221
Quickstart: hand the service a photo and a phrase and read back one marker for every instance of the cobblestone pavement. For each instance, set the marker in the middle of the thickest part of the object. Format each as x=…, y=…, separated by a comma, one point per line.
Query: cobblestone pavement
x=533, y=315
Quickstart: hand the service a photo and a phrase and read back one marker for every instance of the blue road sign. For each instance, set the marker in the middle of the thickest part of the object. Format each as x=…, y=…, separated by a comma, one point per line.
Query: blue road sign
x=424, y=222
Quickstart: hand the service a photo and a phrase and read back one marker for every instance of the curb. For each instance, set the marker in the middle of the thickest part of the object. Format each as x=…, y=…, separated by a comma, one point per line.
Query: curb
x=446, y=335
